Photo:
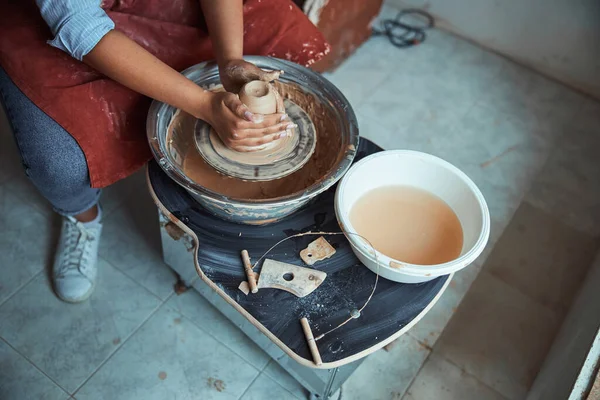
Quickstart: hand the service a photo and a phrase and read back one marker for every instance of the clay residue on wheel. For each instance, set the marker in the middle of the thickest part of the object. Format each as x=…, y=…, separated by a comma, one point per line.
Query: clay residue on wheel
x=328, y=152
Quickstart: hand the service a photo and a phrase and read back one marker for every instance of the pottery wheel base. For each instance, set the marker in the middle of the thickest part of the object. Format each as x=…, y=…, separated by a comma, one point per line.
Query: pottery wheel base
x=271, y=161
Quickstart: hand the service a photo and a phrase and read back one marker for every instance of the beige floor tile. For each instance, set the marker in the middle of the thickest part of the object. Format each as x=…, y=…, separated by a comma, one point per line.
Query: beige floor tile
x=588, y=119
x=542, y=257
x=170, y=358
x=69, y=341
x=568, y=185
x=502, y=156
x=365, y=71
x=22, y=187
x=430, y=327
x=386, y=375
x=27, y=240
x=131, y=189
x=19, y=379
x=208, y=318
x=280, y=375
x=442, y=380
x=499, y=335
x=533, y=99
x=264, y=388
x=131, y=243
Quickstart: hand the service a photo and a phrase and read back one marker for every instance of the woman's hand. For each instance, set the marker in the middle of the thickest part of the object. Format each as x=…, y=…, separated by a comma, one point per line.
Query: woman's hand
x=238, y=128
x=236, y=73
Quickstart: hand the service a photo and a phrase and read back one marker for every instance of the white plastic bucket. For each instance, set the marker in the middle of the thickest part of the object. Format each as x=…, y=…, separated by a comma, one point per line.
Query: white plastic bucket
x=426, y=172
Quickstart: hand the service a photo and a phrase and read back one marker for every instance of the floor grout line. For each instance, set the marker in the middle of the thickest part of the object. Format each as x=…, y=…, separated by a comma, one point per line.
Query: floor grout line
x=161, y=303
x=418, y=372
x=280, y=385
x=112, y=210
x=135, y=281
x=7, y=181
x=463, y=370
x=250, y=385
x=34, y=365
x=260, y=370
x=538, y=303
x=21, y=287
x=158, y=307
x=39, y=208
x=169, y=297
x=374, y=88
x=267, y=364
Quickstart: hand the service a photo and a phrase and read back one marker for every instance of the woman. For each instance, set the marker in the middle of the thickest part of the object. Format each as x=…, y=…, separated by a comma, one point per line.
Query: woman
x=76, y=79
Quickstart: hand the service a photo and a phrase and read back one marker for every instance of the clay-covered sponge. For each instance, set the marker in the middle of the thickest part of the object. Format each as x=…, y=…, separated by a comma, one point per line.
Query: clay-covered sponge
x=272, y=161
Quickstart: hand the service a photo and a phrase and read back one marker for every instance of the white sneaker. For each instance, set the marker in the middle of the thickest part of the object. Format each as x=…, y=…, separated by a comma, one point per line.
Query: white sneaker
x=75, y=264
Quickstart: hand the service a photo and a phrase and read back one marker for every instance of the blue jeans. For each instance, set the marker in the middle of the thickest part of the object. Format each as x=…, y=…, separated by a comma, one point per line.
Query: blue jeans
x=51, y=157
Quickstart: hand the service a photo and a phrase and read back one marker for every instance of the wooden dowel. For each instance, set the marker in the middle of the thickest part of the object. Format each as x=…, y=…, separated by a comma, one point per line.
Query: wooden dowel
x=249, y=273
x=312, y=344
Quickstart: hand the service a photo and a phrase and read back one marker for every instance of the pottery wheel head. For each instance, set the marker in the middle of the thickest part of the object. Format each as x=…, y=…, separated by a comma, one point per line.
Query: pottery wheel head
x=268, y=162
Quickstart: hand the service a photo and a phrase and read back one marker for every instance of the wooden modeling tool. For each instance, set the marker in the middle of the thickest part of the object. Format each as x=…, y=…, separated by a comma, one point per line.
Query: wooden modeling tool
x=249, y=273
x=312, y=344
x=317, y=250
x=299, y=281
x=244, y=287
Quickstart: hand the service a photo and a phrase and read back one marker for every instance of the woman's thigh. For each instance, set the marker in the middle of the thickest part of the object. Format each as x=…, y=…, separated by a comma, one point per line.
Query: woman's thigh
x=51, y=157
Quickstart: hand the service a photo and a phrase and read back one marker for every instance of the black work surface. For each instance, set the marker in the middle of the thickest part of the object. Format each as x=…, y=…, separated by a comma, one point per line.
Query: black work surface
x=347, y=286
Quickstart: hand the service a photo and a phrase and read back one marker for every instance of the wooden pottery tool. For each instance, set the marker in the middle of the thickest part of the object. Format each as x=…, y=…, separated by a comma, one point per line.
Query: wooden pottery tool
x=273, y=161
x=312, y=344
x=317, y=250
x=249, y=272
x=299, y=281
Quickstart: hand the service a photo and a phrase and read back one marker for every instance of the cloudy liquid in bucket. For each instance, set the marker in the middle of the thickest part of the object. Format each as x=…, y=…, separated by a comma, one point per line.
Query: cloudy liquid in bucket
x=408, y=224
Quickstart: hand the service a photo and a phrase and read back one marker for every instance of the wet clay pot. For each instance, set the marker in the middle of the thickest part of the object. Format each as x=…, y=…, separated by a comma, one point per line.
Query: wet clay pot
x=259, y=97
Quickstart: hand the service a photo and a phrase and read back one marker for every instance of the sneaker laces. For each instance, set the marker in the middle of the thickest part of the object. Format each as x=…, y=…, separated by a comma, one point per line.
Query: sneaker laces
x=77, y=249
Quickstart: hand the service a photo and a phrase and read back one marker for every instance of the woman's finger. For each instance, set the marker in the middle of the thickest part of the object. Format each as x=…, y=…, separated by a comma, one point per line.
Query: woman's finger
x=241, y=111
x=269, y=76
x=285, y=127
x=254, y=144
x=266, y=139
x=280, y=107
x=267, y=121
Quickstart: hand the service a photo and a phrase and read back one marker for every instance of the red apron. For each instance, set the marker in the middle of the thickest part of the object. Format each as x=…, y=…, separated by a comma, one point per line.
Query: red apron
x=106, y=118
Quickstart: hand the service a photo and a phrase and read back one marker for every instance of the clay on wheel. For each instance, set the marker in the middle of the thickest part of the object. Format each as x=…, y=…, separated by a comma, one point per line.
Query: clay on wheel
x=259, y=97
x=281, y=158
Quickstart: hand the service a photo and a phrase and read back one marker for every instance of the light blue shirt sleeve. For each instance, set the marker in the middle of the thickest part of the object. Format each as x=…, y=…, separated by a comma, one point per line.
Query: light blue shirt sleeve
x=77, y=25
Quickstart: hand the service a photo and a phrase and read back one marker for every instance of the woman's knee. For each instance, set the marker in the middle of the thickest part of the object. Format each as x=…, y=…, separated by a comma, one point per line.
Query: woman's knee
x=62, y=177
x=66, y=170
x=51, y=156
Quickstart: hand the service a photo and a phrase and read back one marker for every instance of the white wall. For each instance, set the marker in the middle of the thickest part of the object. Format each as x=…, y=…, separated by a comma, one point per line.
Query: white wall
x=570, y=366
x=560, y=38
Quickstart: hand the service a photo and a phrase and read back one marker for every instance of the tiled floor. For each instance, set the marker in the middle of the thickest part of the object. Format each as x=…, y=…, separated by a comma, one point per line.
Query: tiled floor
x=508, y=128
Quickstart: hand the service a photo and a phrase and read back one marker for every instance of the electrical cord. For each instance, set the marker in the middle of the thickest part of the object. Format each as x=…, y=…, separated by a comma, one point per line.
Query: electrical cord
x=404, y=34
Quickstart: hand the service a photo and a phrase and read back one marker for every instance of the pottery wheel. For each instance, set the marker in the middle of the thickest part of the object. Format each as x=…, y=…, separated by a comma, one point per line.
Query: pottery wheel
x=271, y=161
x=393, y=308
